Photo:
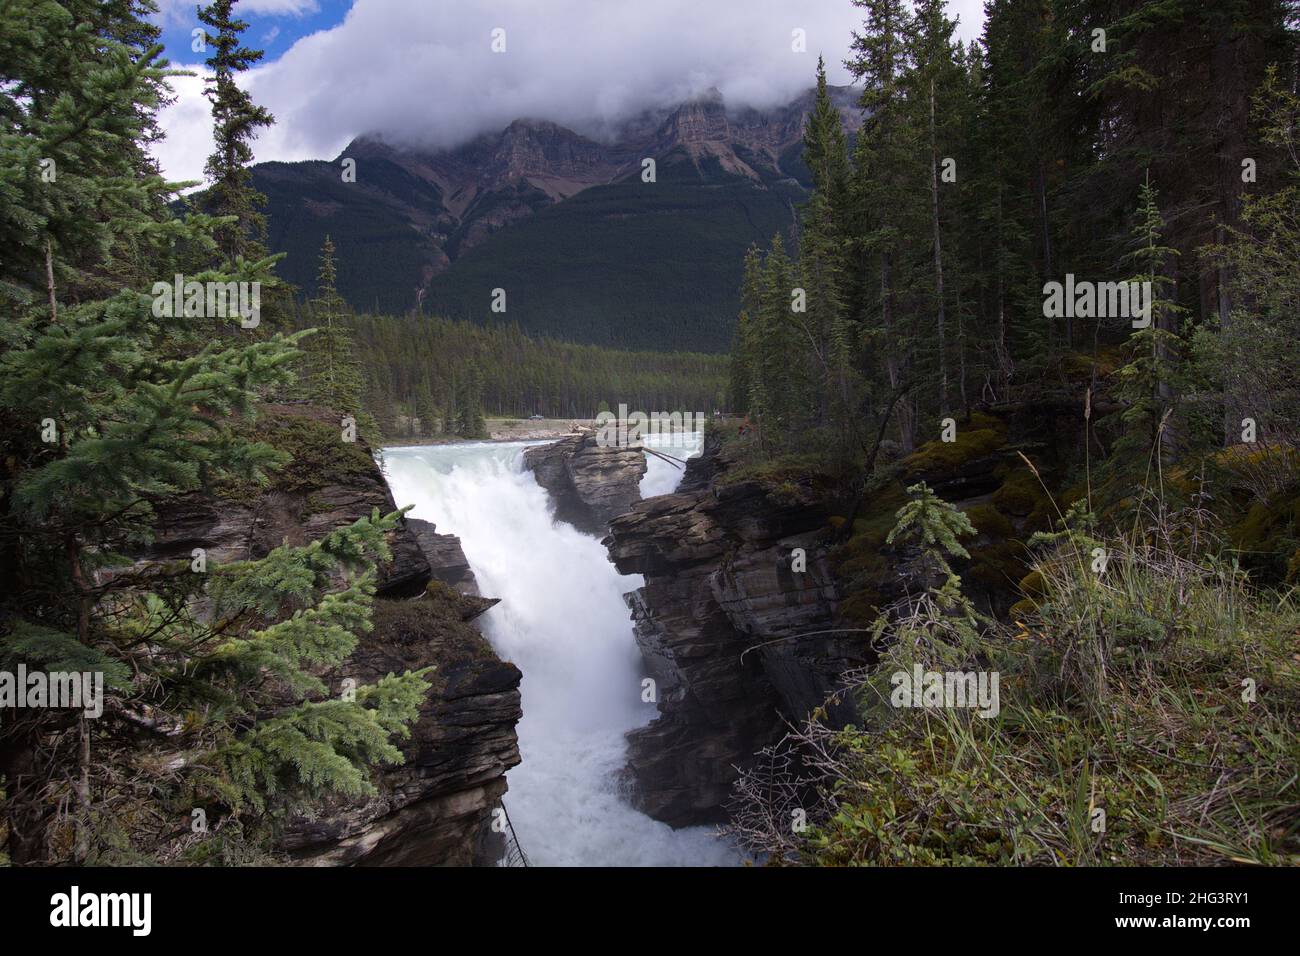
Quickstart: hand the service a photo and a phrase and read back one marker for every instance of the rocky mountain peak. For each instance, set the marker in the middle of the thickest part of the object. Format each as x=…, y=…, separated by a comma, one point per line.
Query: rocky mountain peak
x=702, y=119
x=540, y=147
x=429, y=207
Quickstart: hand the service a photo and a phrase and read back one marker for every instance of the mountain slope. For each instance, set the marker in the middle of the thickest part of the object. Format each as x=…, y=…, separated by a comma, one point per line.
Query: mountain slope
x=585, y=249
x=631, y=264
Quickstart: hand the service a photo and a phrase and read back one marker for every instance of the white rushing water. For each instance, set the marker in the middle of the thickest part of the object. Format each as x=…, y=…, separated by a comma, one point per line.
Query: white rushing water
x=563, y=623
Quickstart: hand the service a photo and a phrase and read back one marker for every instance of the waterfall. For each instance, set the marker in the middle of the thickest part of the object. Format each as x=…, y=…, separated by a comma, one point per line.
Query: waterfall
x=562, y=621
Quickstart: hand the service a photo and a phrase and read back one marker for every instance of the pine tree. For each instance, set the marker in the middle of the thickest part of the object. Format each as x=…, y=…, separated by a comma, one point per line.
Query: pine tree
x=934, y=81
x=425, y=409
x=467, y=415
x=1147, y=382
x=932, y=525
x=743, y=353
x=1009, y=142
x=1251, y=358
x=938, y=626
x=331, y=371
x=884, y=194
x=775, y=381
x=236, y=119
x=470, y=422
x=826, y=336
x=826, y=148
x=737, y=400
x=68, y=143
x=822, y=261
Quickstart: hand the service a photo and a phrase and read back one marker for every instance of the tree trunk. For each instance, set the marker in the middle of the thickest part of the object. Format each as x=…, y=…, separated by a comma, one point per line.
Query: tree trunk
x=938, y=260
x=49, y=280
x=1048, y=269
x=892, y=358
x=1004, y=365
x=82, y=851
x=72, y=551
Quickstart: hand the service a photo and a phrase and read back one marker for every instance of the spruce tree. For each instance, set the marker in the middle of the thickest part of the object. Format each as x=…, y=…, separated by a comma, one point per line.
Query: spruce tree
x=743, y=354
x=331, y=372
x=1251, y=357
x=885, y=195
x=826, y=147
x=823, y=324
x=426, y=411
x=775, y=380
x=1003, y=138
x=236, y=119
x=469, y=418
x=937, y=625
x=1147, y=383
x=933, y=81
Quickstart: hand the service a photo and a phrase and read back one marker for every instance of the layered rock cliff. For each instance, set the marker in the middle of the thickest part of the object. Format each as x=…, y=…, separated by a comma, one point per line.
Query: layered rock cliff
x=436, y=807
x=732, y=621
x=326, y=483
x=589, y=484
x=447, y=561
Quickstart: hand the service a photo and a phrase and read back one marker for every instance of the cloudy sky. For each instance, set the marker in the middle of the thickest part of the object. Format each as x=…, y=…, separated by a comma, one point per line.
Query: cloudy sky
x=425, y=71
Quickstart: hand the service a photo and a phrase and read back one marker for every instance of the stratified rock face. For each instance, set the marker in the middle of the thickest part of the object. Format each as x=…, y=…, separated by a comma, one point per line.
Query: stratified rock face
x=447, y=561
x=328, y=483
x=723, y=622
x=589, y=484
x=436, y=807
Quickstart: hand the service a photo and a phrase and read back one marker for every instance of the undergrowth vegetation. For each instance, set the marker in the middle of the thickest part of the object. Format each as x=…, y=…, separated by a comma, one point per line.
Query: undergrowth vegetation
x=1147, y=711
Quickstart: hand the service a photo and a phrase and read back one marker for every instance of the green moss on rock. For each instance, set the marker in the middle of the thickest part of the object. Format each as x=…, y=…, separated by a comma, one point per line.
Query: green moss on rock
x=1268, y=538
x=859, y=560
x=997, y=565
x=1020, y=493
x=990, y=522
x=430, y=628
x=982, y=436
x=320, y=457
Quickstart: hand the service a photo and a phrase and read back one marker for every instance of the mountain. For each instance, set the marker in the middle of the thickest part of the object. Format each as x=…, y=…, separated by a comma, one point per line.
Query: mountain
x=583, y=247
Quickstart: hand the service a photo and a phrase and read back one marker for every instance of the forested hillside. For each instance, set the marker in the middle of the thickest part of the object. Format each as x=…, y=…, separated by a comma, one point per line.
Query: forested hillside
x=381, y=255
x=632, y=265
x=417, y=366
x=415, y=376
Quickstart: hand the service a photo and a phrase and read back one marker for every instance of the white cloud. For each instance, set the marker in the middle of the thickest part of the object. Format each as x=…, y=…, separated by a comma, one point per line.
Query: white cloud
x=423, y=71
x=278, y=8
x=188, y=124
x=175, y=12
